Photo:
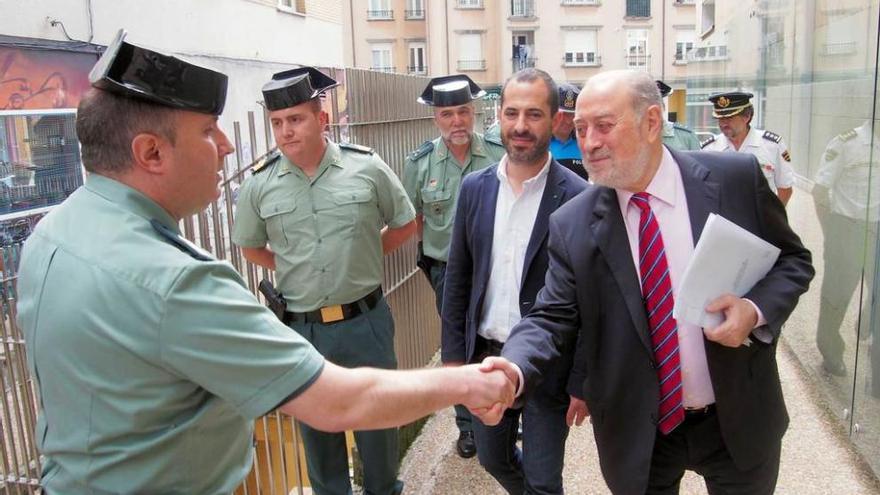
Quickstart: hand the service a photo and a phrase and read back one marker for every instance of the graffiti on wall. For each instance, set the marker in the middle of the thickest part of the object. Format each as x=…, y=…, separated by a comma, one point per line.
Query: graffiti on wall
x=37, y=79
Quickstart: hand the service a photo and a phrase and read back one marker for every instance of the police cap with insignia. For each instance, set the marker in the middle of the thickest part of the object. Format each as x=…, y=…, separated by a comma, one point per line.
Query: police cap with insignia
x=134, y=72
x=664, y=88
x=450, y=91
x=730, y=103
x=568, y=95
x=293, y=87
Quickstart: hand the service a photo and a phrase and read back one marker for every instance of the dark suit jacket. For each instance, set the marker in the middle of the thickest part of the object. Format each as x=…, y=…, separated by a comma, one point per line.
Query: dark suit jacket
x=592, y=301
x=470, y=255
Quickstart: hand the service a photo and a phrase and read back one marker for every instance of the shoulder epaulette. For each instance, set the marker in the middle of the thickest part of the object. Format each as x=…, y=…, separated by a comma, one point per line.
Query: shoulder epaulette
x=496, y=140
x=424, y=149
x=772, y=136
x=709, y=140
x=846, y=136
x=263, y=163
x=356, y=148
x=681, y=128
x=179, y=242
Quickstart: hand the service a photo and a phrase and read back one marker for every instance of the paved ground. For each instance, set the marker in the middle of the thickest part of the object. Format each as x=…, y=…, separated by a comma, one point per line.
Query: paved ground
x=816, y=457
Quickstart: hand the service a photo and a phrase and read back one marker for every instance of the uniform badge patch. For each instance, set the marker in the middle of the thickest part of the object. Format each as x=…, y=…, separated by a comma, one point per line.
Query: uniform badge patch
x=786, y=156
x=830, y=155
x=768, y=167
x=432, y=184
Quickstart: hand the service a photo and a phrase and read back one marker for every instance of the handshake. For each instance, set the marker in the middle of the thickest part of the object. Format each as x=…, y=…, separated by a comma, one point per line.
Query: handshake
x=491, y=388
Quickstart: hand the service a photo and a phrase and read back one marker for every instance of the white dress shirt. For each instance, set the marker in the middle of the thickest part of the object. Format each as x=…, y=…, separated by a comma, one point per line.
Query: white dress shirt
x=514, y=221
x=669, y=204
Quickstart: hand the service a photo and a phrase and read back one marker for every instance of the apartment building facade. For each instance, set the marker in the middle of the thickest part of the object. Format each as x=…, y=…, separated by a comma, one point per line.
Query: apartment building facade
x=491, y=39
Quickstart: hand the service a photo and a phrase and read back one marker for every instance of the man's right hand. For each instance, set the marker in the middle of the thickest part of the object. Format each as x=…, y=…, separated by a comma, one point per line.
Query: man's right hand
x=490, y=393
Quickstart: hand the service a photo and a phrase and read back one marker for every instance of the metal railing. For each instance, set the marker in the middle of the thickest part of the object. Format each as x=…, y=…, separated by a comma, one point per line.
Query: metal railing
x=471, y=65
x=414, y=14
x=581, y=59
x=417, y=69
x=382, y=69
x=379, y=114
x=523, y=63
x=579, y=2
x=380, y=15
x=638, y=62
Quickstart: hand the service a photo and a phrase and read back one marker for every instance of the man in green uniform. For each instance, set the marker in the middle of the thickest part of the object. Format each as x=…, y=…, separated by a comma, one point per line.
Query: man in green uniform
x=676, y=136
x=321, y=215
x=151, y=357
x=432, y=175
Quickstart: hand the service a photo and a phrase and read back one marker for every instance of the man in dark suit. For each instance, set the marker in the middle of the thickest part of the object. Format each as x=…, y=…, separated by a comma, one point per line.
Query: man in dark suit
x=497, y=263
x=665, y=396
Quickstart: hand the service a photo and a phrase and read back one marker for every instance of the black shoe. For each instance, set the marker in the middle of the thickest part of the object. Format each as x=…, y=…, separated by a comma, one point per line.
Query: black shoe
x=832, y=368
x=465, y=445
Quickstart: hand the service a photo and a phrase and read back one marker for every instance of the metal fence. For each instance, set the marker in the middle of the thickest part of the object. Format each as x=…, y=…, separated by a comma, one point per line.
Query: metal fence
x=370, y=108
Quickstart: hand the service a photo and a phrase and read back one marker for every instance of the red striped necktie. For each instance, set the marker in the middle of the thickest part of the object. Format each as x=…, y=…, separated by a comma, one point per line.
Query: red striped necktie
x=657, y=296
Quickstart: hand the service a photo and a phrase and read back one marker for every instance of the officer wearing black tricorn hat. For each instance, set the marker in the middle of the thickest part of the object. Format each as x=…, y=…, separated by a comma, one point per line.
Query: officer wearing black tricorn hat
x=432, y=175
x=322, y=215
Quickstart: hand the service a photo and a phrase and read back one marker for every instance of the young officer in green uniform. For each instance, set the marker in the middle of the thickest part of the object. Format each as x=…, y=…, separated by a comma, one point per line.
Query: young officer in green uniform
x=151, y=358
x=328, y=212
x=675, y=136
x=432, y=175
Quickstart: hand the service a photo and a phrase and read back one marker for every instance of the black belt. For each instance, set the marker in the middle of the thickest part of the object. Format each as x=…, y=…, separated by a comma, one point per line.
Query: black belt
x=487, y=347
x=436, y=262
x=698, y=413
x=338, y=312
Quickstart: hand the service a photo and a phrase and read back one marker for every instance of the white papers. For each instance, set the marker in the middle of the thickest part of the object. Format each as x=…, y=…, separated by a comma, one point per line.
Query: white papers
x=727, y=258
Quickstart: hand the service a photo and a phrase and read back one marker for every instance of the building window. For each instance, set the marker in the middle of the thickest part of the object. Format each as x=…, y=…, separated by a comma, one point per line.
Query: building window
x=638, y=8
x=39, y=161
x=470, y=4
x=417, y=60
x=637, y=55
x=292, y=6
x=522, y=8
x=581, y=47
x=380, y=10
x=684, y=43
x=840, y=33
x=470, y=52
x=381, y=57
x=415, y=9
x=523, y=49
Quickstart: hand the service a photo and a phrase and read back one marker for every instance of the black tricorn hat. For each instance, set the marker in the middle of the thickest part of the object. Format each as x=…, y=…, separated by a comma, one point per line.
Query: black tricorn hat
x=730, y=103
x=136, y=72
x=450, y=91
x=664, y=88
x=293, y=87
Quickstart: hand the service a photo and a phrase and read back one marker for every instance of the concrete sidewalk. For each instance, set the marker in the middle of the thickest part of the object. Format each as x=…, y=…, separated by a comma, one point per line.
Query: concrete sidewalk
x=816, y=456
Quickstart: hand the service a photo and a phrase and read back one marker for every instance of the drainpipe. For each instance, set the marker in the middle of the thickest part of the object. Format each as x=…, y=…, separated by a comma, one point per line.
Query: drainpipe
x=353, y=48
x=446, y=29
x=663, y=43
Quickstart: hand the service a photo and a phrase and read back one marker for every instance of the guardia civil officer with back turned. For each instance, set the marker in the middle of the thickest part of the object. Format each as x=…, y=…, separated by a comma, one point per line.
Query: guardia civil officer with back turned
x=432, y=176
x=321, y=215
x=675, y=135
x=151, y=357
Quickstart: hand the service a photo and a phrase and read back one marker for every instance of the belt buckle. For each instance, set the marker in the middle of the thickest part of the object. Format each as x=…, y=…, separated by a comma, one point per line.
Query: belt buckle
x=330, y=314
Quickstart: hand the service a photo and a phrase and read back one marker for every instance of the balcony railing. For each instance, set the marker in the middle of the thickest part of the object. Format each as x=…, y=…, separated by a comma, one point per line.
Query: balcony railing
x=382, y=69
x=417, y=69
x=415, y=14
x=380, y=15
x=579, y=2
x=708, y=54
x=469, y=4
x=581, y=59
x=684, y=2
x=471, y=65
x=638, y=61
x=840, y=48
x=520, y=63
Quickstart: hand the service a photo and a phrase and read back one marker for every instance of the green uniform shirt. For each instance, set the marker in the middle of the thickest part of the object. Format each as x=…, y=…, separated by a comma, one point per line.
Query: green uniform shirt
x=432, y=177
x=152, y=358
x=679, y=137
x=324, y=230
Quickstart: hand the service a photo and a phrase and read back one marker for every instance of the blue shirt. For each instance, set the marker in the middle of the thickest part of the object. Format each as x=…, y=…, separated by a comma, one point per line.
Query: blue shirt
x=568, y=155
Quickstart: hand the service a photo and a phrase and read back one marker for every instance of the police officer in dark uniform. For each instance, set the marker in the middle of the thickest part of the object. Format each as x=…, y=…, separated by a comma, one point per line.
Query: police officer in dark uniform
x=563, y=144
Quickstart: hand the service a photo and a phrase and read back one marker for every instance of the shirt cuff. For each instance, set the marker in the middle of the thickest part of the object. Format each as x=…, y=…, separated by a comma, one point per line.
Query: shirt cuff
x=519, y=386
x=758, y=330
